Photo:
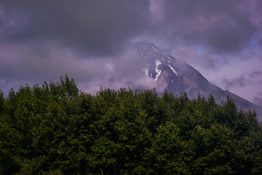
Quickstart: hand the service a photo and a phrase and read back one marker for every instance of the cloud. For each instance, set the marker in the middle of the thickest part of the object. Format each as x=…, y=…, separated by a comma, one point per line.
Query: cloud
x=258, y=99
x=22, y=64
x=102, y=27
x=236, y=82
x=42, y=40
x=96, y=26
x=255, y=74
x=251, y=78
x=219, y=25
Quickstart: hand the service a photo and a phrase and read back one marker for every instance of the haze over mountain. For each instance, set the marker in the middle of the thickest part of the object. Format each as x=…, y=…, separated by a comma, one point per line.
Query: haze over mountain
x=177, y=76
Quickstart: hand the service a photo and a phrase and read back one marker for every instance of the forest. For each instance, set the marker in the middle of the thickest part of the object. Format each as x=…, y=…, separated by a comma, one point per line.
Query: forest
x=56, y=129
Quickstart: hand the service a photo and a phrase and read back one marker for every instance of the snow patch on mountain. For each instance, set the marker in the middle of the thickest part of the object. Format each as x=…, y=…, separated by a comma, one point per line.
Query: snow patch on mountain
x=173, y=69
x=158, y=71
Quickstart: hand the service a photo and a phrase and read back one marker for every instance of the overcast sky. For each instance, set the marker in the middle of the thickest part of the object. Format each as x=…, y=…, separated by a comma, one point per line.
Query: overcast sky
x=41, y=40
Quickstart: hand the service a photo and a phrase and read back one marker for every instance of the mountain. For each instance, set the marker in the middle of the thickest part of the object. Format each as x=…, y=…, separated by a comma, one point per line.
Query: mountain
x=176, y=76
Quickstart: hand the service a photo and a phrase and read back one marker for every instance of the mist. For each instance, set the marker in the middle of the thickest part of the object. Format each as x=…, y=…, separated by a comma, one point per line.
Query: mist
x=91, y=40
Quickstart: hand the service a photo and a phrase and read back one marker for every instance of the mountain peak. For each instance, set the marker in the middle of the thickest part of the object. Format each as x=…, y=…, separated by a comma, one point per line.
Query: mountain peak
x=177, y=77
x=149, y=50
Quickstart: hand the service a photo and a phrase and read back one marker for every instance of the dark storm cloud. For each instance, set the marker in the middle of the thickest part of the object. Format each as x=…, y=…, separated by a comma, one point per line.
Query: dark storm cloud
x=221, y=25
x=103, y=26
x=96, y=26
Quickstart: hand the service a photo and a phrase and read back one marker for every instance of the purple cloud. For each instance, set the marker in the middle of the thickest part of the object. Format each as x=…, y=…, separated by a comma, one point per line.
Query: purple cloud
x=98, y=27
x=41, y=40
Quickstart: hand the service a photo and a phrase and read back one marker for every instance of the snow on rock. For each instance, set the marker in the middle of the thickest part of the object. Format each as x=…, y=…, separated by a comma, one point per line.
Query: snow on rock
x=158, y=71
x=172, y=69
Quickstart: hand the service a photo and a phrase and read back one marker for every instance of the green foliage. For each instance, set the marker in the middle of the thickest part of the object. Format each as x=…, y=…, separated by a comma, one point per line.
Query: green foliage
x=56, y=129
x=2, y=100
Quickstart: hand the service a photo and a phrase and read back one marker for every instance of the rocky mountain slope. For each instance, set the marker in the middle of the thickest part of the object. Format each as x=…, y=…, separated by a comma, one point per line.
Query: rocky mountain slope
x=177, y=76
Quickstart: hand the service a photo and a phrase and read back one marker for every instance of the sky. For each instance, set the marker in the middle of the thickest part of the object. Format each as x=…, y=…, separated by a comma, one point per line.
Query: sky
x=90, y=41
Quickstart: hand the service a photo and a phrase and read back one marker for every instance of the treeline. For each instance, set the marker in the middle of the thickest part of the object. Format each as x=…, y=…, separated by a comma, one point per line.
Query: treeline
x=56, y=129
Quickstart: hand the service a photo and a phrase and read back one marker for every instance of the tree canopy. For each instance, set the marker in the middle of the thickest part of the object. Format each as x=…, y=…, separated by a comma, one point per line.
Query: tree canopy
x=57, y=129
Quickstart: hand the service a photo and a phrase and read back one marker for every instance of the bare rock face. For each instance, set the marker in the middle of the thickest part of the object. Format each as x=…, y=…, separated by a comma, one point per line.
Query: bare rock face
x=176, y=76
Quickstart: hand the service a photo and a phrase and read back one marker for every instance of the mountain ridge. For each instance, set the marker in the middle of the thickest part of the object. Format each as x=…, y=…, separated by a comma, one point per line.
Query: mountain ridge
x=177, y=76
